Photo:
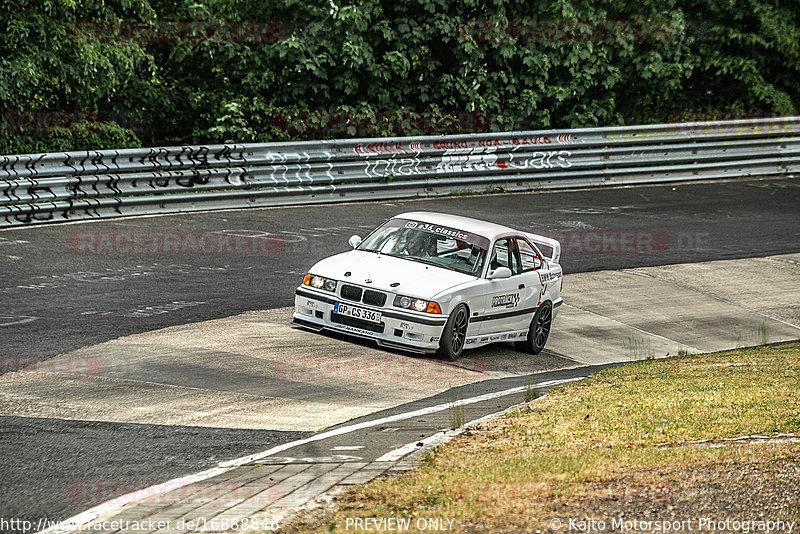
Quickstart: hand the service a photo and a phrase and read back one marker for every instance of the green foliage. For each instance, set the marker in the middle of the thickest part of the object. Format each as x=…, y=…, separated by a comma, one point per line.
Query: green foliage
x=287, y=70
x=46, y=68
x=79, y=136
x=746, y=56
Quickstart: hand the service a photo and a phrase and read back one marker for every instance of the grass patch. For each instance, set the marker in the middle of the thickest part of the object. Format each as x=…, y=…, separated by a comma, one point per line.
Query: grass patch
x=531, y=392
x=456, y=408
x=616, y=443
x=639, y=348
x=758, y=336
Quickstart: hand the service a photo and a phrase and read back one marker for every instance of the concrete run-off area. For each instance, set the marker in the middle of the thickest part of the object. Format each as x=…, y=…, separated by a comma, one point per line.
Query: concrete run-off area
x=255, y=371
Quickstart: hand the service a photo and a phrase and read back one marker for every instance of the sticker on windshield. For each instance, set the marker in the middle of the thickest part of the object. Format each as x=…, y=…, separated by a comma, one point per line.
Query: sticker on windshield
x=444, y=231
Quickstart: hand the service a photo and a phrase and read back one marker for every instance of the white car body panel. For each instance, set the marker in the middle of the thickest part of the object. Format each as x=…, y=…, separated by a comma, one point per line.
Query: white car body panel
x=499, y=309
x=421, y=280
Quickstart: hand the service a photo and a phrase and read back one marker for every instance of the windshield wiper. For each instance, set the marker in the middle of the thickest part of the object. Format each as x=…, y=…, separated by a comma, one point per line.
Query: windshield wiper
x=391, y=254
x=383, y=253
x=424, y=260
x=376, y=251
x=406, y=257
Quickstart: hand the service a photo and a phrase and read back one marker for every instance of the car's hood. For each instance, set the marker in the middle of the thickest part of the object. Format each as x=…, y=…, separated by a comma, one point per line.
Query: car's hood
x=415, y=279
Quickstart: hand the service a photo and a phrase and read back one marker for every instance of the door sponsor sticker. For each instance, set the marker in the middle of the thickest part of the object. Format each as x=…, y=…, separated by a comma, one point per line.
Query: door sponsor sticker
x=505, y=301
x=547, y=277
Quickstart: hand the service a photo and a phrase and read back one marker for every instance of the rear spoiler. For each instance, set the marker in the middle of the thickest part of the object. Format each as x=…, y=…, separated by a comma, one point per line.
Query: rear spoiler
x=550, y=248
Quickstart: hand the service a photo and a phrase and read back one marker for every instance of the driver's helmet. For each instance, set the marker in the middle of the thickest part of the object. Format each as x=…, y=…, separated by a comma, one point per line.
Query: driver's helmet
x=420, y=244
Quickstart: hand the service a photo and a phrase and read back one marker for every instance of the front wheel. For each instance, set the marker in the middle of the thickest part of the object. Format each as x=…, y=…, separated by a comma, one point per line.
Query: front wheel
x=539, y=330
x=454, y=335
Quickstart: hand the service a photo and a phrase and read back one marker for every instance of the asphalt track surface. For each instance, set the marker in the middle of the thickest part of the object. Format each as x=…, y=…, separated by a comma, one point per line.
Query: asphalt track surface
x=53, y=468
x=56, y=297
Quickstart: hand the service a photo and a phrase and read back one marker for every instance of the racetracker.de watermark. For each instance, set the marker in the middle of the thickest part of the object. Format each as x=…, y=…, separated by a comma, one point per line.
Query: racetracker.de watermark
x=60, y=367
x=175, y=243
x=611, y=241
x=37, y=122
x=377, y=123
x=44, y=121
x=734, y=122
x=149, y=524
x=391, y=370
x=628, y=241
x=566, y=31
x=94, y=493
x=174, y=32
x=695, y=524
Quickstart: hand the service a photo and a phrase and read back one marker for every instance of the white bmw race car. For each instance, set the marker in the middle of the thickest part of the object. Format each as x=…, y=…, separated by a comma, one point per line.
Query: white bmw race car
x=431, y=282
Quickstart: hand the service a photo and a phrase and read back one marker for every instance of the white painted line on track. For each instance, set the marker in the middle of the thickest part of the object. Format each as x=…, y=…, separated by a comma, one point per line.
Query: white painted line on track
x=393, y=456
x=779, y=320
x=390, y=419
x=440, y=438
x=78, y=521
x=634, y=328
x=8, y=320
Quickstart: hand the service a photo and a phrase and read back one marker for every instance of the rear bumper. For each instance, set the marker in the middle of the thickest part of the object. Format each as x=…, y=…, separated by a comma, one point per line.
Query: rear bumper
x=397, y=329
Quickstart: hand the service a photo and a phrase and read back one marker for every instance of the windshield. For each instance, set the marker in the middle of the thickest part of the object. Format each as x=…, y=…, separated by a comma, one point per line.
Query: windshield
x=437, y=245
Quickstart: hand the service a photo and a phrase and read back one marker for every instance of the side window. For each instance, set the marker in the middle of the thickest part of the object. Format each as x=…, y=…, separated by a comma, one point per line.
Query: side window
x=503, y=256
x=528, y=256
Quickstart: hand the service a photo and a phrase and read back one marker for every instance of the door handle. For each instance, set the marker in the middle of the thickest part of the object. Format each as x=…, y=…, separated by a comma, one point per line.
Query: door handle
x=521, y=286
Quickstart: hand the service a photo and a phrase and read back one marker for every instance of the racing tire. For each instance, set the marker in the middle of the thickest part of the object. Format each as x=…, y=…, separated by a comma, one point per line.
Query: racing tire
x=539, y=330
x=454, y=335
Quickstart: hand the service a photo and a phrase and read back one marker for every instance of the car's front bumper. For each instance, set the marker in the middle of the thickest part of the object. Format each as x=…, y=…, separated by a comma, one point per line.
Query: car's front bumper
x=398, y=328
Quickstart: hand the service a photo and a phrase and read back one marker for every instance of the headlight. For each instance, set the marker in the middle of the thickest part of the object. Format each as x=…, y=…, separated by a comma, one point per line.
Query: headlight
x=419, y=305
x=320, y=282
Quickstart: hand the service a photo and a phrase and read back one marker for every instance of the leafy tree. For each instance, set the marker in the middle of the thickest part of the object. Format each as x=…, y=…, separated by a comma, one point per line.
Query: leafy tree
x=746, y=57
x=47, y=67
x=210, y=71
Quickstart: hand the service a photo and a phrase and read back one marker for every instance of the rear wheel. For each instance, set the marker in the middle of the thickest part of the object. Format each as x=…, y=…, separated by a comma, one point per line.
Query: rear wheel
x=539, y=330
x=454, y=335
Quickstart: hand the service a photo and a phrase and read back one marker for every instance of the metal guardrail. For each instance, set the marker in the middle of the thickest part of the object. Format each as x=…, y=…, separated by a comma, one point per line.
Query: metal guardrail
x=69, y=186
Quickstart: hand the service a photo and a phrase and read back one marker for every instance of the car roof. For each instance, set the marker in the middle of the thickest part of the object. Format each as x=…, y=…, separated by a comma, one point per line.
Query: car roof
x=484, y=228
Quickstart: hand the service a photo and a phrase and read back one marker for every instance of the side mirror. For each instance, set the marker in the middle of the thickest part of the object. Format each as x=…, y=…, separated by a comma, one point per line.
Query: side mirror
x=500, y=273
x=354, y=240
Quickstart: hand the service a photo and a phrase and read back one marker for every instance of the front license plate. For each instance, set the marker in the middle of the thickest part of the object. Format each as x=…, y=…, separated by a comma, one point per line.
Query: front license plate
x=357, y=313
